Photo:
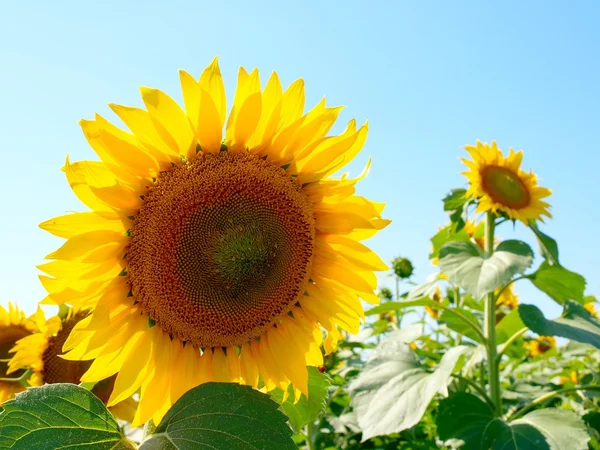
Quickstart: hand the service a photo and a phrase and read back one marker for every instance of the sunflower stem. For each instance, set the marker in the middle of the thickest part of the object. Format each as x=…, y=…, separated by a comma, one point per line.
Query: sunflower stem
x=490, y=323
x=310, y=433
x=149, y=429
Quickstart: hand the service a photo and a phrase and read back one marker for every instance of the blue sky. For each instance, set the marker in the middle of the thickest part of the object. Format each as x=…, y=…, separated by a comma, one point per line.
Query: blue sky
x=429, y=76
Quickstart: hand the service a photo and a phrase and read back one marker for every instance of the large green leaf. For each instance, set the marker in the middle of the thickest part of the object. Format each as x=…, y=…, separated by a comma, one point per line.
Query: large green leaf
x=463, y=416
x=393, y=390
x=509, y=325
x=306, y=409
x=542, y=429
x=559, y=283
x=466, y=266
x=548, y=246
x=222, y=415
x=576, y=323
x=59, y=416
x=455, y=323
x=467, y=418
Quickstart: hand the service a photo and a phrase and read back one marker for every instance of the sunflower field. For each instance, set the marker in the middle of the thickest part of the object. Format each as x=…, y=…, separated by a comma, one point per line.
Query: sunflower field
x=215, y=291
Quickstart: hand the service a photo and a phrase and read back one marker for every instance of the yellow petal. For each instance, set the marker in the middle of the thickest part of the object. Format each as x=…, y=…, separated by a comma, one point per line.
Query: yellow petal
x=212, y=82
x=136, y=364
x=91, y=246
x=140, y=124
x=170, y=121
x=71, y=225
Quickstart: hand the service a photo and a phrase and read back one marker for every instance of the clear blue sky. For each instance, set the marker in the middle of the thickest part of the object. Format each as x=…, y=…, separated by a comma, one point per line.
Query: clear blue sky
x=429, y=76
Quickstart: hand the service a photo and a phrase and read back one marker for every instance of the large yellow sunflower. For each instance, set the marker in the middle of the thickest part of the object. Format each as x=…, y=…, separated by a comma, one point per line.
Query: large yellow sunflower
x=41, y=352
x=210, y=257
x=499, y=184
x=14, y=325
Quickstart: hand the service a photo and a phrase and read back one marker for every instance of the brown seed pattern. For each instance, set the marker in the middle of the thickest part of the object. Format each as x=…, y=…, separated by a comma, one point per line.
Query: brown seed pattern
x=221, y=247
x=57, y=369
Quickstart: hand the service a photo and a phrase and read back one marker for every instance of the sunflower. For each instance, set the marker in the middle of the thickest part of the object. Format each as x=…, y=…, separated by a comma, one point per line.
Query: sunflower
x=540, y=345
x=208, y=257
x=500, y=184
x=41, y=350
x=436, y=297
x=13, y=326
x=591, y=308
x=508, y=298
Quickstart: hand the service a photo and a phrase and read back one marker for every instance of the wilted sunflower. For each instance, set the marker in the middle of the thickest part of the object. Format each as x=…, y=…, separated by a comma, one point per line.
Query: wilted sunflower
x=210, y=257
x=41, y=352
x=14, y=325
x=500, y=184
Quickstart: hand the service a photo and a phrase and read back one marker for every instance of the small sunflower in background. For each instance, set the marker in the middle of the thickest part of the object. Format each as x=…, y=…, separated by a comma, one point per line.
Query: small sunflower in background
x=499, y=184
x=508, y=299
x=591, y=308
x=214, y=257
x=436, y=297
x=571, y=378
x=41, y=352
x=14, y=325
x=540, y=345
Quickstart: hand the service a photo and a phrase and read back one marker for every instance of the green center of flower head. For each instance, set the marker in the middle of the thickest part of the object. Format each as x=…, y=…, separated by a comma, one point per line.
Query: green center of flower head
x=505, y=187
x=245, y=255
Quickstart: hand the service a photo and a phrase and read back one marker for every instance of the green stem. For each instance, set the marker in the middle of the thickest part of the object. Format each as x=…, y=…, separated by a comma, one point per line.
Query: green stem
x=490, y=324
x=397, y=289
x=149, y=429
x=548, y=396
x=476, y=387
x=310, y=431
x=509, y=342
x=457, y=298
x=465, y=319
x=23, y=379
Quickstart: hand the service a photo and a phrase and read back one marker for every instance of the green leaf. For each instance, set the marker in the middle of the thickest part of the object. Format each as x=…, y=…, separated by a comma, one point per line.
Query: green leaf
x=59, y=416
x=509, y=325
x=467, y=418
x=466, y=266
x=445, y=235
x=305, y=410
x=463, y=416
x=455, y=199
x=575, y=323
x=455, y=323
x=559, y=283
x=549, y=428
x=393, y=390
x=222, y=415
x=394, y=306
x=548, y=246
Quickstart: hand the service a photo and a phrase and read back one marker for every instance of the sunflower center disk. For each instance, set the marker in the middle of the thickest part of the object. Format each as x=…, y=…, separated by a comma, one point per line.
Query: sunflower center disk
x=57, y=369
x=9, y=336
x=505, y=187
x=221, y=247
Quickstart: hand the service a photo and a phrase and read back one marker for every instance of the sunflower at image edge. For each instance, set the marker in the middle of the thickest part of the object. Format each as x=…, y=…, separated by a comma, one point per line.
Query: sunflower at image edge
x=40, y=351
x=499, y=184
x=208, y=257
x=14, y=325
